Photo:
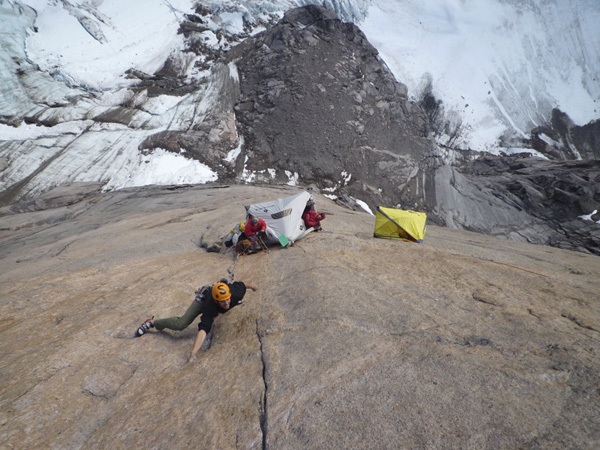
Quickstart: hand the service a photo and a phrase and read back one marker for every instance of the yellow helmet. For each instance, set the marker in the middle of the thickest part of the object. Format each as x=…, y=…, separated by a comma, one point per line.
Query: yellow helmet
x=221, y=292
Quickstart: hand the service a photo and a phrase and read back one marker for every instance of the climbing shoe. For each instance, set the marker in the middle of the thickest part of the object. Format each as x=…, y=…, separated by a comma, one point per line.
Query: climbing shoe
x=143, y=329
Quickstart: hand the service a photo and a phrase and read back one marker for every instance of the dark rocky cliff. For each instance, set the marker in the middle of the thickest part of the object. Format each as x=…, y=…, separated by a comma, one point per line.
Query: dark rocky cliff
x=317, y=100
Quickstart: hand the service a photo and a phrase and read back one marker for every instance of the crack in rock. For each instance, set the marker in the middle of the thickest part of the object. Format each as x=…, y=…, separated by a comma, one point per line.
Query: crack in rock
x=578, y=322
x=264, y=413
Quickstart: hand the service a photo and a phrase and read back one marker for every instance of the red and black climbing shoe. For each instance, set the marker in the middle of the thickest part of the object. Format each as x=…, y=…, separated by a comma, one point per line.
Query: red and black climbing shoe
x=143, y=329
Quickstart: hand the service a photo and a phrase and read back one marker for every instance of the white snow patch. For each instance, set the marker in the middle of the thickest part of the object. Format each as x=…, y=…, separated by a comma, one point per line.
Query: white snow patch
x=232, y=155
x=25, y=131
x=548, y=140
x=247, y=175
x=94, y=43
x=160, y=167
x=233, y=72
x=517, y=150
x=292, y=178
x=588, y=216
x=364, y=206
x=346, y=177
x=232, y=22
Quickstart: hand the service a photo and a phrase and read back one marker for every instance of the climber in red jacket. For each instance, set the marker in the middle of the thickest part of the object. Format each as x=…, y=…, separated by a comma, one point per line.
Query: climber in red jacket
x=311, y=217
x=255, y=225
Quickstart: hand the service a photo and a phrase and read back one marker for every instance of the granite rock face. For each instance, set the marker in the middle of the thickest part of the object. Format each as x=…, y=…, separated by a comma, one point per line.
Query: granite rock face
x=464, y=341
x=520, y=197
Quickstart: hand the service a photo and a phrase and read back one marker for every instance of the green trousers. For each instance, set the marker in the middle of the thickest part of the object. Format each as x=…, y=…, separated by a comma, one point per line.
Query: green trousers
x=181, y=322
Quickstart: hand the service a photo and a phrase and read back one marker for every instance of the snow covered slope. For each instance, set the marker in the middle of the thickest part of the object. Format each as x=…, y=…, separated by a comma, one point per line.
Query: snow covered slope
x=499, y=67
